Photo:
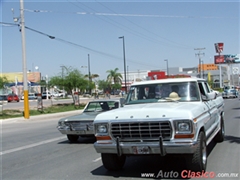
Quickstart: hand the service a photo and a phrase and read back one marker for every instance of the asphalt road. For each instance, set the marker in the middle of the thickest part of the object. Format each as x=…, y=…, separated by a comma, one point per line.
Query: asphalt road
x=34, y=150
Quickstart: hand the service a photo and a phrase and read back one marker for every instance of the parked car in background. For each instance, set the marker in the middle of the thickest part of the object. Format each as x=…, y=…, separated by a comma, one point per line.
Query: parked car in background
x=230, y=93
x=82, y=124
x=12, y=98
x=3, y=97
x=31, y=96
x=87, y=95
x=116, y=92
x=59, y=94
x=46, y=94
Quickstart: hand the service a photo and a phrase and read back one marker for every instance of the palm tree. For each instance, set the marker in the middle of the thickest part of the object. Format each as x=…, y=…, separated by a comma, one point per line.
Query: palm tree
x=114, y=77
x=92, y=76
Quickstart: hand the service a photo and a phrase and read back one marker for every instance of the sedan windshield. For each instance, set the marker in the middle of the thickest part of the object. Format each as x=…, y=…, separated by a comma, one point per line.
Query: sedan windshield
x=101, y=106
x=165, y=92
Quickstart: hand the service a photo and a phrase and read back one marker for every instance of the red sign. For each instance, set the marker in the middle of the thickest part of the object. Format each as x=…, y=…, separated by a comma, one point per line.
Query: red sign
x=219, y=59
x=157, y=75
x=218, y=47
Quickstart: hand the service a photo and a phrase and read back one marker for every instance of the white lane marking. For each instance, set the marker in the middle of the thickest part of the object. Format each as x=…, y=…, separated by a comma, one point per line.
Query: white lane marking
x=98, y=159
x=30, y=145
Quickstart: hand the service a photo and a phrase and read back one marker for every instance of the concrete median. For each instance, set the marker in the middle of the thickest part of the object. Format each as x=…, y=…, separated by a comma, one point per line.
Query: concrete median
x=44, y=116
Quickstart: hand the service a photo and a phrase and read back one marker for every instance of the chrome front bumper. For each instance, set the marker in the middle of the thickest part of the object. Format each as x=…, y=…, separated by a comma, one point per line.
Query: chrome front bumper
x=71, y=131
x=161, y=147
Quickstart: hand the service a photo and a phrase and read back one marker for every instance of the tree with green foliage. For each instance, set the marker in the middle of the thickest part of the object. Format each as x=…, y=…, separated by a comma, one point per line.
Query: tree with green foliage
x=104, y=84
x=72, y=80
x=114, y=77
x=3, y=81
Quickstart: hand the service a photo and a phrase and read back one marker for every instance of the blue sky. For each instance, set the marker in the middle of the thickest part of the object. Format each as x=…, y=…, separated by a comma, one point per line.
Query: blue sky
x=153, y=31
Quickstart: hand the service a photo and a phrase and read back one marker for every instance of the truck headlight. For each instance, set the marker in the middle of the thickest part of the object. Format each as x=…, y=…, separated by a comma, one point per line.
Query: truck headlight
x=183, y=126
x=101, y=128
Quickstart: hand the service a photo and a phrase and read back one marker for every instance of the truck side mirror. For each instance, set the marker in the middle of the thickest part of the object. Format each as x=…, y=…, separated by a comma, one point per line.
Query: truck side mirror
x=122, y=101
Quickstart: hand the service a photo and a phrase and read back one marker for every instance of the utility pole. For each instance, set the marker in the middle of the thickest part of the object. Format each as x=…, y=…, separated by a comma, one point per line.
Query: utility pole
x=89, y=75
x=202, y=68
x=167, y=66
x=62, y=80
x=25, y=80
x=124, y=63
x=199, y=54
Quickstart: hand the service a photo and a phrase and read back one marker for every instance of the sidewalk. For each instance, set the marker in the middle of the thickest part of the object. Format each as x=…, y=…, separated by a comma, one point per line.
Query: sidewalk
x=45, y=116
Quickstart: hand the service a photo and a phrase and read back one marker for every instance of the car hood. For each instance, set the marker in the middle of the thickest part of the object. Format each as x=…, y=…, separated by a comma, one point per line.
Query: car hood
x=85, y=116
x=154, y=110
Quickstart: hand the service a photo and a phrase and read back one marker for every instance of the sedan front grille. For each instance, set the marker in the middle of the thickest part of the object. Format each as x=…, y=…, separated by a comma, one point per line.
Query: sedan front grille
x=141, y=130
x=82, y=125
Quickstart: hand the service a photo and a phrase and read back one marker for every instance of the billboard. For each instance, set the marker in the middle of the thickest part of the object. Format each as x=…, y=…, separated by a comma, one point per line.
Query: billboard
x=226, y=59
x=219, y=47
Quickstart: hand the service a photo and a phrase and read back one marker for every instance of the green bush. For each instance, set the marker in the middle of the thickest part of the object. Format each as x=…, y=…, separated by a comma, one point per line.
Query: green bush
x=8, y=113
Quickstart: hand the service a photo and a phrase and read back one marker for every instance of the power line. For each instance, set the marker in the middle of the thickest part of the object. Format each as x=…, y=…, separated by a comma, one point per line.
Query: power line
x=83, y=47
x=132, y=15
x=147, y=30
x=121, y=26
x=76, y=45
x=169, y=43
x=8, y=24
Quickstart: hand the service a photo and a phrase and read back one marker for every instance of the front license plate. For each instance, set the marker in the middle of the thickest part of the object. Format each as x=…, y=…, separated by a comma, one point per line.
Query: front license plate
x=80, y=132
x=140, y=149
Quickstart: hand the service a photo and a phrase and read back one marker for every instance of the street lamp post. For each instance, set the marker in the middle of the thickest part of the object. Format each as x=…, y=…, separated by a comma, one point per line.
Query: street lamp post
x=124, y=59
x=47, y=85
x=167, y=66
x=62, y=79
x=84, y=70
x=128, y=78
x=89, y=75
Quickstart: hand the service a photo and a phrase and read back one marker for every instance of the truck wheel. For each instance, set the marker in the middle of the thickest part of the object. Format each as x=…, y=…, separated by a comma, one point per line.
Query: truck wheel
x=220, y=135
x=73, y=138
x=197, y=162
x=113, y=162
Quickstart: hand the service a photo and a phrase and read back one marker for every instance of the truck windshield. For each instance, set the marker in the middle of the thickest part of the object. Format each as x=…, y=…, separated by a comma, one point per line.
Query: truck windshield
x=165, y=92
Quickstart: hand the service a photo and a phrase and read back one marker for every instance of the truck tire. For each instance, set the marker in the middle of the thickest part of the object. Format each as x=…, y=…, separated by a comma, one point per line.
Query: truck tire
x=113, y=162
x=197, y=161
x=220, y=135
x=73, y=138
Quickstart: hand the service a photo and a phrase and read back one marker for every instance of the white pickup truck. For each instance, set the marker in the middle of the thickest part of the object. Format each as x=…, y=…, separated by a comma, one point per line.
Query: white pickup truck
x=178, y=116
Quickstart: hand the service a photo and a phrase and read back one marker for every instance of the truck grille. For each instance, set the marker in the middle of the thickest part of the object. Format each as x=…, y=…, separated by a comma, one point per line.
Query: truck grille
x=141, y=130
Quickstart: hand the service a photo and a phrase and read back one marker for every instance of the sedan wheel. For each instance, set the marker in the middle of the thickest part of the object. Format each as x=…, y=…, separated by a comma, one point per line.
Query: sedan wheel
x=73, y=138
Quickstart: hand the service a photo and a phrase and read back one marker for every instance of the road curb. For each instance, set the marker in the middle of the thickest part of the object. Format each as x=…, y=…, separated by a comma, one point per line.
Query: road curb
x=44, y=116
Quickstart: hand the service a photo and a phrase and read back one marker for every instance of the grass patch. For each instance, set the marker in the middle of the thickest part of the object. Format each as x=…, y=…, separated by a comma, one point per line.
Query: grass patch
x=8, y=113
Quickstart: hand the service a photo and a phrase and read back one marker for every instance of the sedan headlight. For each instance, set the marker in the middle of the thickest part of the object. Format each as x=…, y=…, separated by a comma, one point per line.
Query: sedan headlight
x=101, y=128
x=183, y=126
x=63, y=123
